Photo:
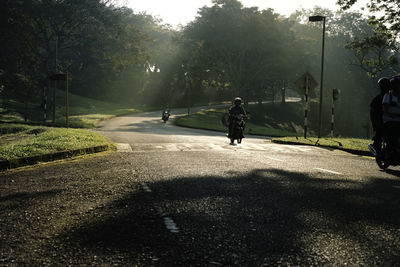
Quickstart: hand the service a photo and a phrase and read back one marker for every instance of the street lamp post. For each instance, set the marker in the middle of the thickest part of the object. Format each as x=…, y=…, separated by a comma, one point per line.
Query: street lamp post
x=320, y=18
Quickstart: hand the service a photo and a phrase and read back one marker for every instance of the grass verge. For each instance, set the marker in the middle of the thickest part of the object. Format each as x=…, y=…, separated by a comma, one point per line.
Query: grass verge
x=349, y=144
x=18, y=140
x=211, y=120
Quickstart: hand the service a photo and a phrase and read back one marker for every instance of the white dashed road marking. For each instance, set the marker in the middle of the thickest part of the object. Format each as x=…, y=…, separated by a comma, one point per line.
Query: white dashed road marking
x=170, y=224
x=328, y=171
x=146, y=188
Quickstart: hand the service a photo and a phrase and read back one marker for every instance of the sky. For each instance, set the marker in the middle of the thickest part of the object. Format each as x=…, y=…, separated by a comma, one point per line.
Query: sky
x=177, y=12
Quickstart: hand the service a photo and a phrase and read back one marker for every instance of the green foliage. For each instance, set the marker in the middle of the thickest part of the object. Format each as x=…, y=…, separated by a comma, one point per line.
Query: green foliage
x=388, y=14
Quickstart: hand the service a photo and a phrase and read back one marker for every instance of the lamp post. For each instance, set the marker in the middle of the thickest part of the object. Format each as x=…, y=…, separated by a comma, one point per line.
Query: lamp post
x=313, y=19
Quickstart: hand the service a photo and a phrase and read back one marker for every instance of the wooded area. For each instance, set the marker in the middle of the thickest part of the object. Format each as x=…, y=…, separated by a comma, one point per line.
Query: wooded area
x=114, y=54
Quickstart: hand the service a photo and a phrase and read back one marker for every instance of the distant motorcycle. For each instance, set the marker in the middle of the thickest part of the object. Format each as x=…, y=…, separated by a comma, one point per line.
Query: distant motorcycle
x=387, y=157
x=165, y=116
x=237, y=128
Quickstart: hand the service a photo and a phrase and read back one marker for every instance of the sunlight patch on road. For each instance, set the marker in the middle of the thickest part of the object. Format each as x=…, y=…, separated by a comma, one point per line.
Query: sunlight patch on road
x=121, y=147
x=271, y=158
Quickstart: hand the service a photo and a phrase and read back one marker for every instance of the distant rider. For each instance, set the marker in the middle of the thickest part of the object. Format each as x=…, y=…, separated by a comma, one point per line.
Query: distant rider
x=391, y=112
x=165, y=110
x=376, y=115
x=165, y=114
x=236, y=109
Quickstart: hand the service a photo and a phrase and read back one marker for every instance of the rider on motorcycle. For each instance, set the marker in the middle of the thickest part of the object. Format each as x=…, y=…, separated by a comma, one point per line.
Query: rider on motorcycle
x=391, y=112
x=376, y=114
x=165, y=114
x=236, y=109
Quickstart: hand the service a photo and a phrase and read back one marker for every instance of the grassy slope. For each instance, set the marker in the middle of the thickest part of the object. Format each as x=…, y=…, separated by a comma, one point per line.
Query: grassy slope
x=18, y=140
x=262, y=120
x=83, y=112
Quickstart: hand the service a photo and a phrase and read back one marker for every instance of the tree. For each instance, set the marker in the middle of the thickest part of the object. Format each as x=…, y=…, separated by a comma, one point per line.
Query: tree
x=247, y=46
x=375, y=54
x=389, y=21
x=94, y=41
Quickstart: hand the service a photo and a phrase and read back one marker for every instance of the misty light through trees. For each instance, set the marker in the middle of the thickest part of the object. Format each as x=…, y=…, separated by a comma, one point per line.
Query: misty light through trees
x=114, y=54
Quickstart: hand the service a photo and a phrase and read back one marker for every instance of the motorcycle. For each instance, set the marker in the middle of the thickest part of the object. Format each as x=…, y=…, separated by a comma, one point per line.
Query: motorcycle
x=236, y=127
x=388, y=156
x=165, y=116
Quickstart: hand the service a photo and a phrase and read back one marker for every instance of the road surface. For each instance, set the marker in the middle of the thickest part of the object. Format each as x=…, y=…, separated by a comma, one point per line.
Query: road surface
x=175, y=196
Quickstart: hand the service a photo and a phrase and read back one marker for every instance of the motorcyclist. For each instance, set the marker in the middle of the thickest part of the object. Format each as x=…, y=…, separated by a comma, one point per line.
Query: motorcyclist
x=376, y=115
x=234, y=110
x=391, y=113
x=165, y=113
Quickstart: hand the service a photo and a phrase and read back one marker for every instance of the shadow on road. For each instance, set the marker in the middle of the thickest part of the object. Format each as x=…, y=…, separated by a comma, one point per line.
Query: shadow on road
x=393, y=172
x=267, y=216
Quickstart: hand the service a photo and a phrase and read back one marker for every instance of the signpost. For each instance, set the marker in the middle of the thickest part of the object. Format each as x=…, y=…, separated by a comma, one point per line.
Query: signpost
x=306, y=83
x=335, y=96
x=63, y=77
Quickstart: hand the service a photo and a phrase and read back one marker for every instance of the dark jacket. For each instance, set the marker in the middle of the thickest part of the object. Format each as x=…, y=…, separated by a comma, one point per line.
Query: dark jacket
x=237, y=110
x=376, y=111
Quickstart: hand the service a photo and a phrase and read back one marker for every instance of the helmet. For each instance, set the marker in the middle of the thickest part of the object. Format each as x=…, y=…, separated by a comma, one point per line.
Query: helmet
x=237, y=101
x=384, y=84
x=395, y=82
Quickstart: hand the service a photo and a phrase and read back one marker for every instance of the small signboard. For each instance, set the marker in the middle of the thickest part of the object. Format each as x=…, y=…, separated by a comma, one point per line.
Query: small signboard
x=335, y=94
x=301, y=82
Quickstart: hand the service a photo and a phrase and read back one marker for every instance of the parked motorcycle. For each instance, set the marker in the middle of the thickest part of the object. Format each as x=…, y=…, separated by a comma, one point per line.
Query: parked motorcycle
x=165, y=116
x=388, y=156
x=236, y=128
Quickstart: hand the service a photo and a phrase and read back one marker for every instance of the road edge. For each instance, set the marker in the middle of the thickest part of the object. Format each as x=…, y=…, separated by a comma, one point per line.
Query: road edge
x=25, y=161
x=352, y=151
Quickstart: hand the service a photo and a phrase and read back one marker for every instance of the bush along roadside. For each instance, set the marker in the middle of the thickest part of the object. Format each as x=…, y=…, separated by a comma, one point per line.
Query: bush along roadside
x=22, y=145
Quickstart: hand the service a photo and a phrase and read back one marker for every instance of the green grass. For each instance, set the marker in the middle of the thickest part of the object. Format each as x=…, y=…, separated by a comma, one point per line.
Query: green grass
x=19, y=140
x=336, y=142
x=211, y=120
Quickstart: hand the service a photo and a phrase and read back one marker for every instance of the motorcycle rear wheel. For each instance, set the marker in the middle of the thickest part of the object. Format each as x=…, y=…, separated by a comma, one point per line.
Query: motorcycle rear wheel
x=382, y=163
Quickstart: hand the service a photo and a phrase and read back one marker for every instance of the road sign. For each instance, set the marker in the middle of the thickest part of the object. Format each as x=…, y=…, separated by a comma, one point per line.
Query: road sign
x=305, y=79
x=335, y=94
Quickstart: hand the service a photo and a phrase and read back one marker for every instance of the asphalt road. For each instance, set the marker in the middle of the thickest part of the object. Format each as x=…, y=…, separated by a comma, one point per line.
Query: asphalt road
x=176, y=196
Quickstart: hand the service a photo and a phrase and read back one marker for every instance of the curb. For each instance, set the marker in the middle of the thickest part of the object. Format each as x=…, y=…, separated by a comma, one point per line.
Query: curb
x=20, y=162
x=352, y=151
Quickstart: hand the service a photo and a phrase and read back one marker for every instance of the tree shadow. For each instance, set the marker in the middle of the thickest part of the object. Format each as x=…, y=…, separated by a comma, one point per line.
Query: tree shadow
x=392, y=172
x=22, y=200
x=267, y=216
